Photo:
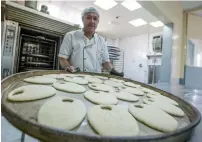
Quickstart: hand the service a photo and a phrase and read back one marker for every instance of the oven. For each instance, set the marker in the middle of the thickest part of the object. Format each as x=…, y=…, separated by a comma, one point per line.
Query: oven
x=26, y=49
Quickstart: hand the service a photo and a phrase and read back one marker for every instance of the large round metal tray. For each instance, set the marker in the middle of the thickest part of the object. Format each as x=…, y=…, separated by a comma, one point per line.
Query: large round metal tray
x=23, y=115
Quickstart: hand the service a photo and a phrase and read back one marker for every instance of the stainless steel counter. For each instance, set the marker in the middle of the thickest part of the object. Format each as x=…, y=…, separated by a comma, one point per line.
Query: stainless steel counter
x=190, y=95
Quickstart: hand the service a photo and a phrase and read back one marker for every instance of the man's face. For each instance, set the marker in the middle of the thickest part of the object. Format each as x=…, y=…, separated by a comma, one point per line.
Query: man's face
x=90, y=22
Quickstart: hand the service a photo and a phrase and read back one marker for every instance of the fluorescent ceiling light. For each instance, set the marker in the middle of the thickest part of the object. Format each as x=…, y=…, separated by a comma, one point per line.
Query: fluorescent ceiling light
x=105, y=4
x=157, y=24
x=131, y=4
x=137, y=22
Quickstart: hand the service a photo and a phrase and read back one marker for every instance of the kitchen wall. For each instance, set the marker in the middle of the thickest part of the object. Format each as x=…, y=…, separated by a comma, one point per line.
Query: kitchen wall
x=136, y=49
x=197, y=55
x=194, y=27
x=173, y=11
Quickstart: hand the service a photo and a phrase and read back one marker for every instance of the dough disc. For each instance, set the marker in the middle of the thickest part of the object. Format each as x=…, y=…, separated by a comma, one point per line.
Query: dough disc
x=165, y=106
x=93, y=79
x=112, y=121
x=69, y=87
x=130, y=84
x=153, y=117
x=101, y=77
x=40, y=80
x=162, y=98
x=113, y=83
x=77, y=80
x=150, y=91
x=135, y=91
x=117, y=80
x=62, y=113
x=101, y=87
x=31, y=92
x=99, y=97
x=56, y=76
x=125, y=96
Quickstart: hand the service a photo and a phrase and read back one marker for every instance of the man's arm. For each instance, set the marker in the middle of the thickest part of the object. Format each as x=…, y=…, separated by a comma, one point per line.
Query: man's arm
x=65, y=52
x=64, y=63
x=107, y=65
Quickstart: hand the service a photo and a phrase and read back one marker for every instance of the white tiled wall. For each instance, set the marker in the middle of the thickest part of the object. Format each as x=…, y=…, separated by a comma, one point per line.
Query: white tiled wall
x=135, y=54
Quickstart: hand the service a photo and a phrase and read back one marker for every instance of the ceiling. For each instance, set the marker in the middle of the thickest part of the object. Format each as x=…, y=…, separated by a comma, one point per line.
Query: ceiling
x=188, y=5
x=198, y=13
x=196, y=6
x=119, y=27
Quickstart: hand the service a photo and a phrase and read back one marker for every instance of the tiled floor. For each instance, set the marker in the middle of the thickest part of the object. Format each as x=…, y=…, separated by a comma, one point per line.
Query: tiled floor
x=11, y=134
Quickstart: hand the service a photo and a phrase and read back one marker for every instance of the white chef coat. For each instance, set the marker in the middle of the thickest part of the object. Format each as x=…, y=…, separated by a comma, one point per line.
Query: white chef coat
x=87, y=54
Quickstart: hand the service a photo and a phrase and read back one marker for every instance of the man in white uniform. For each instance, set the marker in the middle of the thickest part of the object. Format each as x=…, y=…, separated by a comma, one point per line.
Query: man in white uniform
x=84, y=49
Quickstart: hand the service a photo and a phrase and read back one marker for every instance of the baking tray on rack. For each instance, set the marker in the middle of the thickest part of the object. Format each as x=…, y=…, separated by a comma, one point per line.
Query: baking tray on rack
x=23, y=115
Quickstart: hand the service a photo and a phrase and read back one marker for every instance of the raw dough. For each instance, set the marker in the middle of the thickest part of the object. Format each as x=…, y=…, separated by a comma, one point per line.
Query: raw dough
x=162, y=98
x=150, y=91
x=112, y=121
x=117, y=80
x=31, y=92
x=165, y=106
x=62, y=113
x=40, y=80
x=153, y=117
x=135, y=91
x=69, y=87
x=56, y=76
x=99, y=97
x=113, y=83
x=68, y=75
x=101, y=87
x=126, y=96
x=101, y=77
x=77, y=80
x=130, y=84
x=93, y=79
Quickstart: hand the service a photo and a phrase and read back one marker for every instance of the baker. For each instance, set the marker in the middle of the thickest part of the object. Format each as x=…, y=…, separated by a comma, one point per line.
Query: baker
x=84, y=49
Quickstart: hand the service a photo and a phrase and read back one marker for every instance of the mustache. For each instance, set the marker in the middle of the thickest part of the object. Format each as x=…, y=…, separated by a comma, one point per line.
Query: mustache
x=91, y=25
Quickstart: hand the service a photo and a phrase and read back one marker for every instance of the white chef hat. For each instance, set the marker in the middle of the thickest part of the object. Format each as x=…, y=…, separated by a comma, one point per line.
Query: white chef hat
x=89, y=10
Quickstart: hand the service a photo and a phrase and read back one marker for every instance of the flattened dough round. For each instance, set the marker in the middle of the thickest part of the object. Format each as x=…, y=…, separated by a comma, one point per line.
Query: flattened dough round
x=130, y=84
x=101, y=87
x=135, y=91
x=56, y=76
x=40, y=80
x=112, y=121
x=62, y=113
x=165, y=106
x=117, y=80
x=125, y=96
x=162, y=98
x=101, y=77
x=68, y=75
x=31, y=92
x=153, y=117
x=77, y=80
x=147, y=90
x=69, y=87
x=113, y=83
x=99, y=97
x=92, y=79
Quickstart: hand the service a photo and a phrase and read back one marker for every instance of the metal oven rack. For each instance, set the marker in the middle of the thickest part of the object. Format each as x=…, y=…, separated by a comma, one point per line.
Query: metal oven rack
x=36, y=53
x=116, y=56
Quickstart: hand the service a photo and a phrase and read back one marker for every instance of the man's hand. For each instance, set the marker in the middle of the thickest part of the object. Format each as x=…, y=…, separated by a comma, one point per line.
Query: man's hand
x=70, y=69
x=114, y=72
x=109, y=67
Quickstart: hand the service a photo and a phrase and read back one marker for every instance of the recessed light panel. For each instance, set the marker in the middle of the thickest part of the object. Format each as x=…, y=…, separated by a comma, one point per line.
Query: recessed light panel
x=131, y=4
x=138, y=22
x=105, y=4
